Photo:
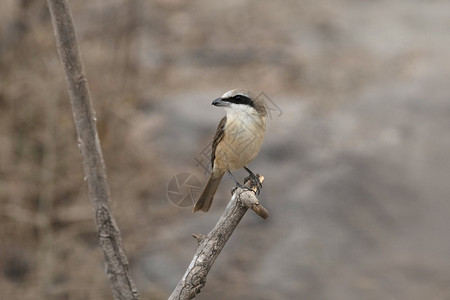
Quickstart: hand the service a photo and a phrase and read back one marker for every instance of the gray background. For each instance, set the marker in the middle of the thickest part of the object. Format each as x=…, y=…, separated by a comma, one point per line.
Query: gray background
x=356, y=161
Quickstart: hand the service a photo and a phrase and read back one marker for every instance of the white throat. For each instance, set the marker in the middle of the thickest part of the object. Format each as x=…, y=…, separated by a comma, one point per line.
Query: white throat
x=245, y=114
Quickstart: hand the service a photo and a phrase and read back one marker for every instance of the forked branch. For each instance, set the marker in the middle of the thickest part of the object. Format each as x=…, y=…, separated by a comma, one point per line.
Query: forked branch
x=210, y=246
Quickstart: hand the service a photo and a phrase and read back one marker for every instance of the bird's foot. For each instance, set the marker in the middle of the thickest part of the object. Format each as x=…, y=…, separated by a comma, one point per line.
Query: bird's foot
x=238, y=185
x=255, y=182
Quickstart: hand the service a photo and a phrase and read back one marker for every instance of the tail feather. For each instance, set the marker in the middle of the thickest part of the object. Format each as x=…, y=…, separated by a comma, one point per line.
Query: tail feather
x=204, y=202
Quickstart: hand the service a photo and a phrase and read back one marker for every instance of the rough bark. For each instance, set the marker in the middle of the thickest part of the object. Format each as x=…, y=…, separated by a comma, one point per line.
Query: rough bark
x=211, y=245
x=117, y=268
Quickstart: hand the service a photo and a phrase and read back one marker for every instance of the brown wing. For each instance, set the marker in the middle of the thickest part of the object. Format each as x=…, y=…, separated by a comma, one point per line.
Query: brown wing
x=217, y=138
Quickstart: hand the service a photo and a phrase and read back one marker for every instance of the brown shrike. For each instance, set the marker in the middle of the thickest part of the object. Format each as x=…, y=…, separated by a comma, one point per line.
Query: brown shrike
x=237, y=140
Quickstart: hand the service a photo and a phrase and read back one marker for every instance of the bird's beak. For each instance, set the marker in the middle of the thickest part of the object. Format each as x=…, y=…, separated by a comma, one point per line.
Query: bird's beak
x=220, y=102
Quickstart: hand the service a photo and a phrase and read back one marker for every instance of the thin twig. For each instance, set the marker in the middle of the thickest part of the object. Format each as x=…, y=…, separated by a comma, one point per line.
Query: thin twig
x=110, y=240
x=210, y=246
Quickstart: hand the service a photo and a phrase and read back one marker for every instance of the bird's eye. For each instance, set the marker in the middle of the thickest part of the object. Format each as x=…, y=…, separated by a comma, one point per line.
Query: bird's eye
x=241, y=99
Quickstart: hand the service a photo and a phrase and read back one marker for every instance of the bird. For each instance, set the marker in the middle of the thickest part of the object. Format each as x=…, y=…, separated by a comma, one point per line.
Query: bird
x=237, y=141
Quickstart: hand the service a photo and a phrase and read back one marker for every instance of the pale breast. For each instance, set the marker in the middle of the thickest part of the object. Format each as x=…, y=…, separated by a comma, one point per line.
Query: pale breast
x=241, y=143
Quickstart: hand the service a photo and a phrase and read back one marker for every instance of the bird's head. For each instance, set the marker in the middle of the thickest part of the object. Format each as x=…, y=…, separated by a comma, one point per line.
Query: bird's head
x=241, y=100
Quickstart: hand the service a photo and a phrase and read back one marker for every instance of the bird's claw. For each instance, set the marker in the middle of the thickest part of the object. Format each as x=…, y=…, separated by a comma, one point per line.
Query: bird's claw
x=256, y=183
x=238, y=185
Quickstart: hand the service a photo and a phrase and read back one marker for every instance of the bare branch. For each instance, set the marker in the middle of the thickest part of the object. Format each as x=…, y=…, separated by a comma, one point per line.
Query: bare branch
x=211, y=245
x=110, y=240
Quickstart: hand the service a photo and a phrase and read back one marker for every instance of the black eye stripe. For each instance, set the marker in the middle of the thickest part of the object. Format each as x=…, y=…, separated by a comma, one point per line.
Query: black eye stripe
x=240, y=99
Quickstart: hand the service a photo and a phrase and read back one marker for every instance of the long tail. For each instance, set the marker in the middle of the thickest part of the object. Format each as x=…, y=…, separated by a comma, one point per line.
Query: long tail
x=206, y=198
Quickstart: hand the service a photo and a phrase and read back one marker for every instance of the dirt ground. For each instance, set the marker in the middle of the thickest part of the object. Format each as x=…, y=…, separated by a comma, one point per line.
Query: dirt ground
x=356, y=156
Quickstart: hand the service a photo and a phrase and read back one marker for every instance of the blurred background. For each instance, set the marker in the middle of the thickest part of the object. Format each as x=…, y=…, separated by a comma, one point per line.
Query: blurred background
x=356, y=156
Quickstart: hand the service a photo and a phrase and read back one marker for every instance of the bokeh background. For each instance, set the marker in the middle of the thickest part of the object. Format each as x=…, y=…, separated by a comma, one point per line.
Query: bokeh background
x=356, y=156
